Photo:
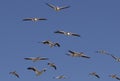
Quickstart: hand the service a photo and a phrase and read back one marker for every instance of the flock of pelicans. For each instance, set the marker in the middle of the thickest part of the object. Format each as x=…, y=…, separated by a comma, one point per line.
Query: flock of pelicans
x=70, y=52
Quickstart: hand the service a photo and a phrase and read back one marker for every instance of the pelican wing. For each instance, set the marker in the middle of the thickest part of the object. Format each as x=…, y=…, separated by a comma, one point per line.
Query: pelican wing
x=118, y=78
x=46, y=42
x=64, y=7
x=42, y=19
x=61, y=32
x=114, y=57
x=57, y=44
x=97, y=76
x=71, y=51
x=50, y=5
x=14, y=73
x=17, y=75
x=28, y=58
x=85, y=56
x=52, y=65
x=74, y=34
x=27, y=19
x=43, y=58
x=32, y=68
x=60, y=77
x=68, y=54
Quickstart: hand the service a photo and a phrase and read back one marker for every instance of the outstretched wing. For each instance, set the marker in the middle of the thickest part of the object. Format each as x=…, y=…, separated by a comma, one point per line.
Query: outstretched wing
x=14, y=73
x=85, y=56
x=61, y=32
x=42, y=19
x=17, y=75
x=71, y=51
x=28, y=58
x=52, y=65
x=43, y=58
x=46, y=42
x=74, y=34
x=97, y=76
x=64, y=7
x=114, y=57
x=50, y=5
x=57, y=44
x=118, y=78
x=32, y=68
x=27, y=19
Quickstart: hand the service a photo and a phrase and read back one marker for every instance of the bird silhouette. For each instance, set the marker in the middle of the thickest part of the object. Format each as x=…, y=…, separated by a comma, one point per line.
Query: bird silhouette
x=14, y=73
x=94, y=74
x=57, y=8
x=34, y=19
x=114, y=76
x=52, y=65
x=67, y=33
x=50, y=43
x=34, y=59
x=77, y=54
x=37, y=72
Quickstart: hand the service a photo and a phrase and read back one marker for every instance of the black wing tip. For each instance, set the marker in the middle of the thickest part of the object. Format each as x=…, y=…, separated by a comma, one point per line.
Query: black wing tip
x=56, y=31
x=70, y=51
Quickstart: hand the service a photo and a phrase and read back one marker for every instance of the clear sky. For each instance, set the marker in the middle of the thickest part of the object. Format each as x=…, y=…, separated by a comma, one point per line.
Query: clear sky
x=97, y=21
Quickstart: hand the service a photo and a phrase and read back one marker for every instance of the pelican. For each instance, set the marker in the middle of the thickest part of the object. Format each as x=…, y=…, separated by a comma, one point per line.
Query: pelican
x=77, y=54
x=60, y=77
x=34, y=19
x=52, y=65
x=37, y=72
x=67, y=33
x=14, y=73
x=114, y=76
x=51, y=44
x=34, y=59
x=94, y=74
x=116, y=58
x=57, y=8
x=102, y=52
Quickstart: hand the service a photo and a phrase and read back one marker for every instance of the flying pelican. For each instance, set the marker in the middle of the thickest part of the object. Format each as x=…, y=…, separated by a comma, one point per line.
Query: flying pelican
x=52, y=65
x=60, y=77
x=57, y=8
x=114, y=76
x=51, y=44
x=14, y=73
x=102, y=52
x=67, y=33
x=37, y=72
x=77, y=54
x=34, y=59
x=116, y=58
x=34, y=19
x=94, y=74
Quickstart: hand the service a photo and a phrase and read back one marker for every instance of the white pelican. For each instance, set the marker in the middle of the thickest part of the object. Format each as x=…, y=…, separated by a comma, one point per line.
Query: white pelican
x=50, y=43
x=67, y=33
x=34, y=19
x=114, y=76
x=14, y=73
x=34, y=59
x=37, y=72
x=77, y=54
x=52, y=65
x=94, y=74
x=57, y=8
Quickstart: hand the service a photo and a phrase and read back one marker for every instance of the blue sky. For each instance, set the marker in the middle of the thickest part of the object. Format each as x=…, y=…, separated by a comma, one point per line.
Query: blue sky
x=97, y=21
